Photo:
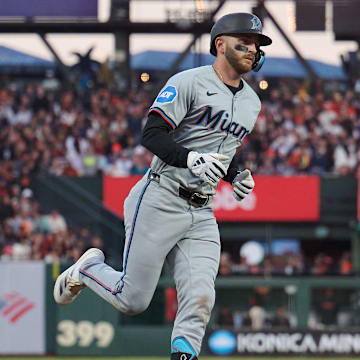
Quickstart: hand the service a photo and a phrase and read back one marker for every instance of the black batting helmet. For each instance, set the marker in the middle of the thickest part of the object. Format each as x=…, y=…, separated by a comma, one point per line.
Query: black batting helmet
x=238, y=23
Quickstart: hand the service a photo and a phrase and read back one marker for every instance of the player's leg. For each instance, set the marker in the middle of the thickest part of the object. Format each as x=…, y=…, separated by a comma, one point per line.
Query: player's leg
x=148, y=241
x=154, y=222
x=194, y=262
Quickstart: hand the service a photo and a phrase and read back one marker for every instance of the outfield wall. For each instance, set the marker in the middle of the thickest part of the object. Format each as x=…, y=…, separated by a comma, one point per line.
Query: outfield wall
x=31, y=322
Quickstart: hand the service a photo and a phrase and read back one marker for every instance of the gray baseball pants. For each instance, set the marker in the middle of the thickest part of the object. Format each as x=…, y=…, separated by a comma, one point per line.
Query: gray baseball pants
x=160, y=226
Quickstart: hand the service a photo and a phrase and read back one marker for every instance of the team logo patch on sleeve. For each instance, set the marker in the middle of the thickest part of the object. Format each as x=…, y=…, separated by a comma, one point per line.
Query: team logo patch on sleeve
x=167, y=95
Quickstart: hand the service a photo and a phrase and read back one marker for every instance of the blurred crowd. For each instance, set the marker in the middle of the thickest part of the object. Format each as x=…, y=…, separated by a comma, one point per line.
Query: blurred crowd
x=27, y=233
x=288, y=264
x=302, y=128
x=264, y=307
x=305, y=128
x=60, y=133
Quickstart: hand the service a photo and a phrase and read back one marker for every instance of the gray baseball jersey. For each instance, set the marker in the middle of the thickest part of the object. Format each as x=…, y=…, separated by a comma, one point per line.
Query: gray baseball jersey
x=160, y=225
x=206, y=117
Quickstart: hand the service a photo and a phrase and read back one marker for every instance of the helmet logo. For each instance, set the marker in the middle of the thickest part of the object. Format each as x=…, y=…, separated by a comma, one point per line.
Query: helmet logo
x=256, y=24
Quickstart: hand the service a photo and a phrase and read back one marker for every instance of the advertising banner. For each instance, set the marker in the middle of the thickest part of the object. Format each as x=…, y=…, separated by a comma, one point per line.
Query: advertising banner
x=227, y=342
x=275, y=198
x=115, y=191
x=22, y=308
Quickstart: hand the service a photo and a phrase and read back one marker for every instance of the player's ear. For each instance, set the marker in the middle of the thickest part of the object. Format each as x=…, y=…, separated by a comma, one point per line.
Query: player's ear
x=220, y=45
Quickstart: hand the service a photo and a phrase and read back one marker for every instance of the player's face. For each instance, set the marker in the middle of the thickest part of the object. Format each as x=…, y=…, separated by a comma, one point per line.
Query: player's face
x=241, y=61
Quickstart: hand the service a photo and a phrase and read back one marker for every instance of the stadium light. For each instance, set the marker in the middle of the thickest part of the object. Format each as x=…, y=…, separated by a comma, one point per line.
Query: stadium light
x=144, y=77
x=263, y=85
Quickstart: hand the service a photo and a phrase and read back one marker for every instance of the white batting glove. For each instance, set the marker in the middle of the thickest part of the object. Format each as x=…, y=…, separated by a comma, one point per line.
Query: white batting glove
x=208, y=167
x=243, y=185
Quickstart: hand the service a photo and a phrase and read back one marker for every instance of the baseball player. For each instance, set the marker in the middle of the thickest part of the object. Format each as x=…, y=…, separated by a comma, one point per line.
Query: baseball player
x=194, y=126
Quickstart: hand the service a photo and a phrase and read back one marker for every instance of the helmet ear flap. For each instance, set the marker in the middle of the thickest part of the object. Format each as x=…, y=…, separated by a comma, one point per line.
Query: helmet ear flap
x=259, y=60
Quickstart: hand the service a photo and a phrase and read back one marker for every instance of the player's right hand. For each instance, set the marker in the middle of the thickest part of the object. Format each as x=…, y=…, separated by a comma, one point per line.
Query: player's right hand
x=208, y=167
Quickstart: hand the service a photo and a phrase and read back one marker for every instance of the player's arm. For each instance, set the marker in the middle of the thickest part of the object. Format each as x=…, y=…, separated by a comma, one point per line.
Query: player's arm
x=165, y=115
x=233, y=169
x=168, y=110
x=156, y=138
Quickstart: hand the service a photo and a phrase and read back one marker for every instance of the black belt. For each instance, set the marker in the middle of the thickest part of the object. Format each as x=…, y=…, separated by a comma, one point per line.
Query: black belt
x=193, y=198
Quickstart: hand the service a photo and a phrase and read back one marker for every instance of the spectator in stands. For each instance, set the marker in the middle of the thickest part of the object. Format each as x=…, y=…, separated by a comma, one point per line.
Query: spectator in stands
x=322, y=265
x=225, y=264
x=57, y=222
x=345, y=264
x=294, y=264
x=257, y=316
x=327, y=307
x=242, y=267
x=40, y=102
x=140, y=166
x=97, y=242
x=281, y=318
x=120, y=164
x=345, y=158
x=259, y=296
x=225, y=317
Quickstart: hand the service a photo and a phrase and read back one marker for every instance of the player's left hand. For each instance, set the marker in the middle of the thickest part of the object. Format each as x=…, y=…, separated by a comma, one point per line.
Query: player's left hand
x=243, y=184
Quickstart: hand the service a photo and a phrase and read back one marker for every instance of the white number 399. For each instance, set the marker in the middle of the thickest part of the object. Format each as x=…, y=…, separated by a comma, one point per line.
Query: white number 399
x=84, y=333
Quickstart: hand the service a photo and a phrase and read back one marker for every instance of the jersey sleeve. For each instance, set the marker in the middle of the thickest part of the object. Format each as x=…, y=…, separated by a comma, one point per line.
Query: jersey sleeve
x=174, y=100
x=156, y=138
